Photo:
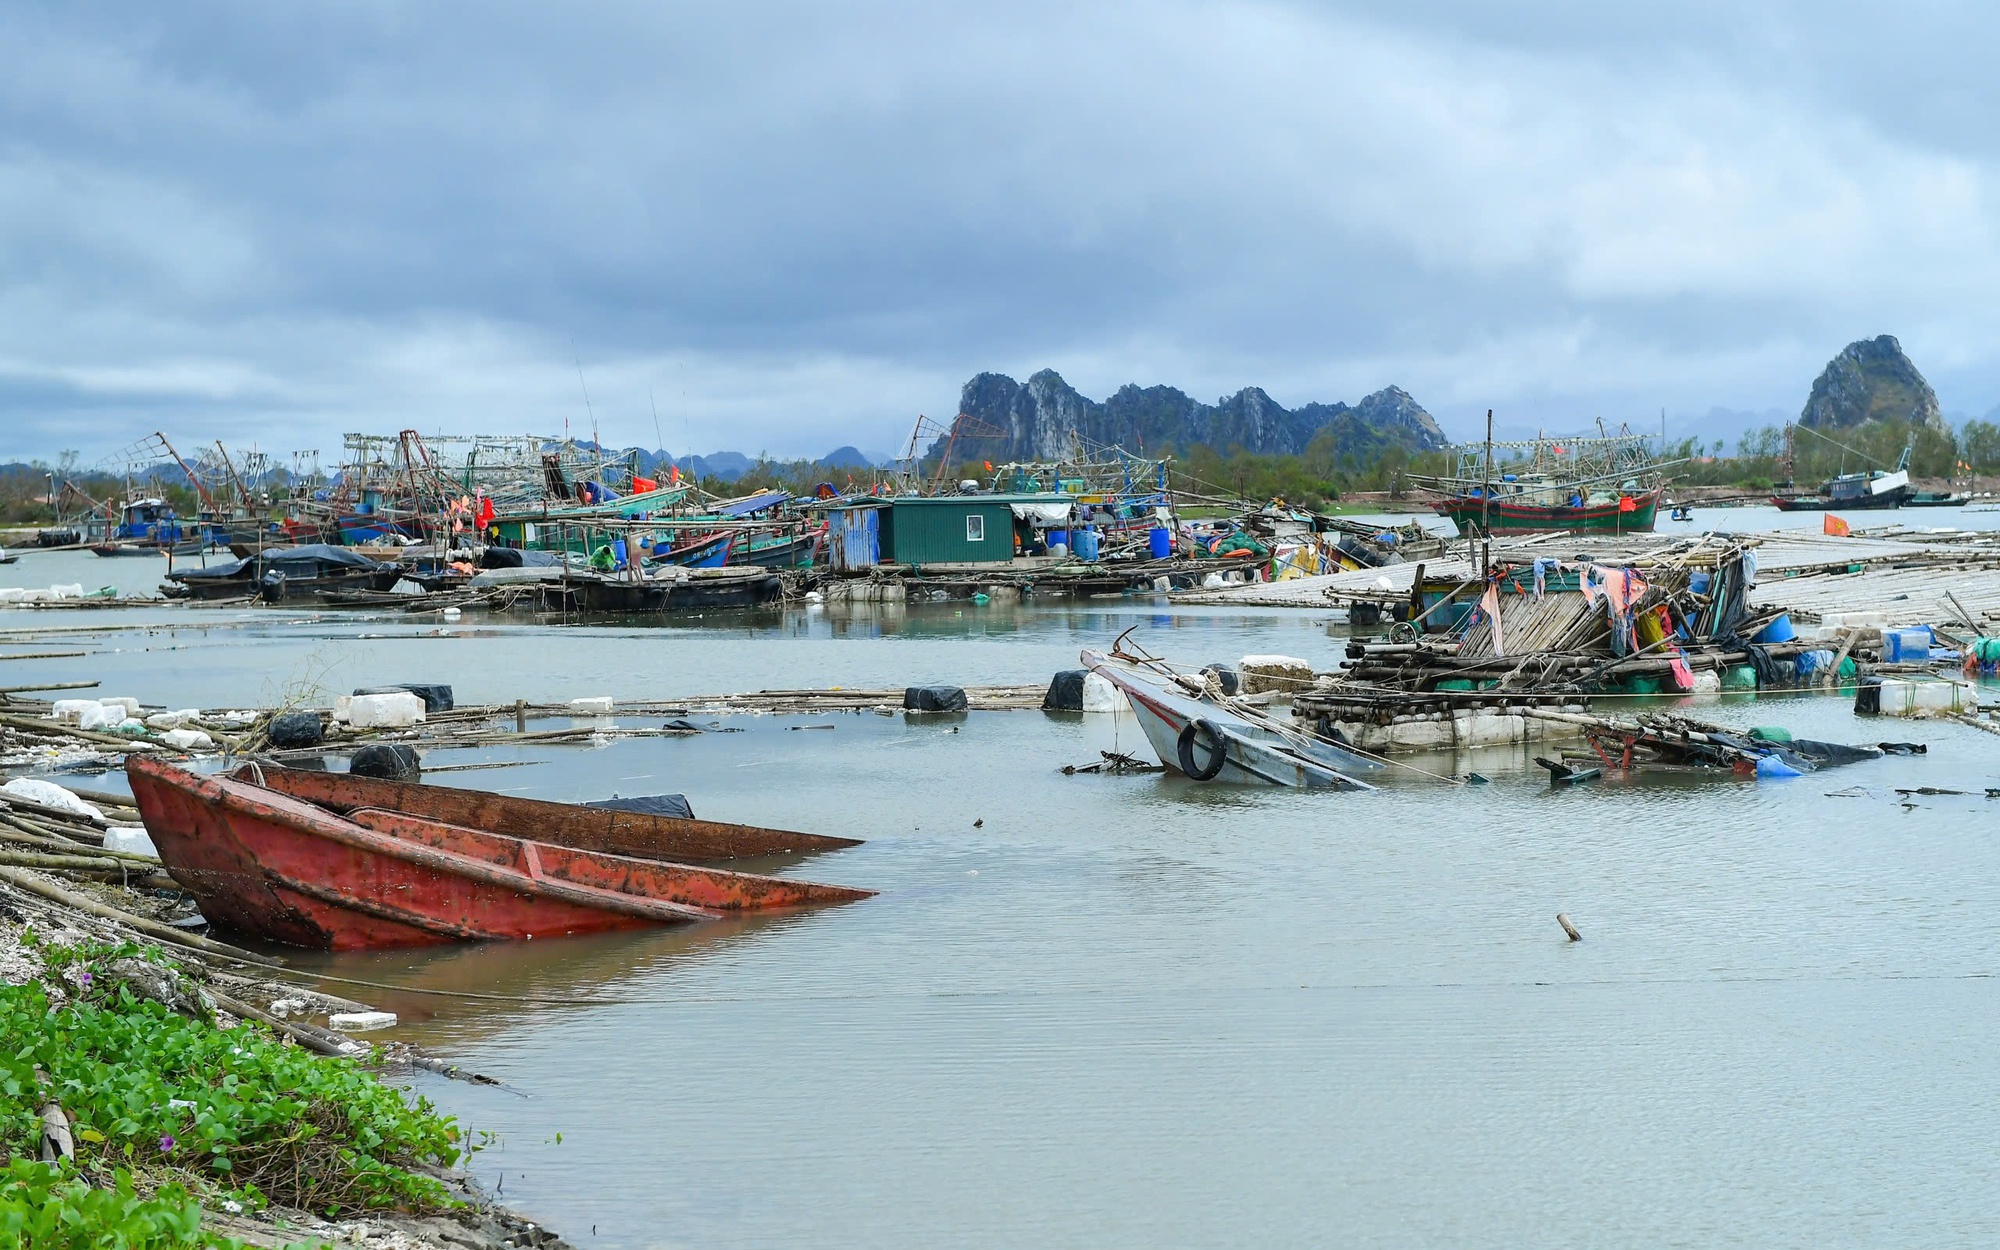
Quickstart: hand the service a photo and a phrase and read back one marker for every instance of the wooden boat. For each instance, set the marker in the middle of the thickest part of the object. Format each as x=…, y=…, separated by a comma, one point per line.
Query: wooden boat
x=337, y=862
x=1936, y=499
x=711, y=552
x=1610, y=484
x=281, y=573
x=702, y=589
x=727, y=588
x=1206, y=741
x=788, y=551
x=613, y=593
x=1634, y=513
x=110, y=550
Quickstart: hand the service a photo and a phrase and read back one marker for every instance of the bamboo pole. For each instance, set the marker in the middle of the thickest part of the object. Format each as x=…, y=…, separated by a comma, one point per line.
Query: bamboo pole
x=165, y=933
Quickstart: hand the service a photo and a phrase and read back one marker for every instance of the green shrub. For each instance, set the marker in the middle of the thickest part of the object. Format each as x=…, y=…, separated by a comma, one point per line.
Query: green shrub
x=52, y=1209
x=234, y=1110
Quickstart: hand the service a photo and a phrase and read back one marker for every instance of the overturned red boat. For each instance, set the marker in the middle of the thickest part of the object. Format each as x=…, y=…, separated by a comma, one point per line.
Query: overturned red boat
x=335, y=862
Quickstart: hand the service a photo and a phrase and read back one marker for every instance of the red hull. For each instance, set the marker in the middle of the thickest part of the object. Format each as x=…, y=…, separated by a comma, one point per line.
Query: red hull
x=565, y=824
x=289, y=871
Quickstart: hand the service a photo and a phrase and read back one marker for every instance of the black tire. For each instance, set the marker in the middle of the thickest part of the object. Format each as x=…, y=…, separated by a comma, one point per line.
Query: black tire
x=1184, y=750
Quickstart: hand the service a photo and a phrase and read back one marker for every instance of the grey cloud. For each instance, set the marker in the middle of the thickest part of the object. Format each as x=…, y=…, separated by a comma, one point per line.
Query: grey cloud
x=801, y=224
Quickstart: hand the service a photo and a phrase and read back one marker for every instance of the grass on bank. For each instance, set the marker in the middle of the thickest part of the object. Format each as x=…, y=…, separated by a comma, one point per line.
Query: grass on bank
x=169, y=1112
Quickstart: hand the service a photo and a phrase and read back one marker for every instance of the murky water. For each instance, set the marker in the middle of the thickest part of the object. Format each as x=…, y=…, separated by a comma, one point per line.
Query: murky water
x=1134, y=1011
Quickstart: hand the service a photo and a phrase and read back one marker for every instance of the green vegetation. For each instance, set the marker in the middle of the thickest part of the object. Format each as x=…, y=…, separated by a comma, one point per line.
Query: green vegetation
x=24, y=491
x=52, y=1208
x=1760, y=462
x=165, y=1104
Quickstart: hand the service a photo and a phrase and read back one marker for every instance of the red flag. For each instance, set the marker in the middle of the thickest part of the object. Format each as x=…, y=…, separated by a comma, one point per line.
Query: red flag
x=1834, y=525
x=640, y=485
x=485, y=511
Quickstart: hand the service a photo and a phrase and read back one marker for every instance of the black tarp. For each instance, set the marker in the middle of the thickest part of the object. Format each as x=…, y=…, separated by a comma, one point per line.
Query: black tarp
x=311, y=560
x=675, y=805
x=1065, y=691
x=436, y=696
x=934, y=699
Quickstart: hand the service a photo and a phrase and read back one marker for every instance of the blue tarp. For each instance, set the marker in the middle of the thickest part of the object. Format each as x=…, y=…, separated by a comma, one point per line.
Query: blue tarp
x=755, y=503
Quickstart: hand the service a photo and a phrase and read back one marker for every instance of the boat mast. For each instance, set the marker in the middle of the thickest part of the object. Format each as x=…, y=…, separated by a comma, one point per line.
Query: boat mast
x=1486, y=491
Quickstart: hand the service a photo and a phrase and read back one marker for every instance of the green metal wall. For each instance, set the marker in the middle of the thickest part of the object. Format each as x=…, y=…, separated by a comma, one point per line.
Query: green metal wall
x=933, y=532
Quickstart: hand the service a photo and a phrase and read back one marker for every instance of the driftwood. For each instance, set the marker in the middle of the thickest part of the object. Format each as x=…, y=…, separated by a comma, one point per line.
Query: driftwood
x=56, y=1140
x=166, y=933
x=318, y=1040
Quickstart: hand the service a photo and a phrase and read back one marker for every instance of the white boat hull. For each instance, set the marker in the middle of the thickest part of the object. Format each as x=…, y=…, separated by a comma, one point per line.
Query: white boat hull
x=1250, y=754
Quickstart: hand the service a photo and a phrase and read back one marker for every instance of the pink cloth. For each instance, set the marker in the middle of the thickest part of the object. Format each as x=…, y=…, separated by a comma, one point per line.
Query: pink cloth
x=1489, y=603
x=1683, y=675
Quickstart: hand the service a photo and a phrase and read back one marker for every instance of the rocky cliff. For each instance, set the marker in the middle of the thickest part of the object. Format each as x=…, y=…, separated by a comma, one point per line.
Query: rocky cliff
x=1871, y=380
x=1042, y=420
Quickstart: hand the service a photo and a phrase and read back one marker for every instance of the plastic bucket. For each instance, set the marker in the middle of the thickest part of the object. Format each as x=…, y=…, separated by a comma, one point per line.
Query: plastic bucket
x=1160, y=542
x=1779, y=630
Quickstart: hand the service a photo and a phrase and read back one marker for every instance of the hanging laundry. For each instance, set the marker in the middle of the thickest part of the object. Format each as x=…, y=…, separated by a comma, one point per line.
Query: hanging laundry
x=1489, y=603
x=1543, y=566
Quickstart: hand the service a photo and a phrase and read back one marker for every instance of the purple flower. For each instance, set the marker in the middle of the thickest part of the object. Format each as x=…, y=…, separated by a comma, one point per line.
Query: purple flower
x=84, y=978
x=166, y=1143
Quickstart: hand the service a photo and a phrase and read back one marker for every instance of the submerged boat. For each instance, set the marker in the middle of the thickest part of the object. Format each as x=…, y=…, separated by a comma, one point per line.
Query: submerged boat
x=331, y=861
x=1196, y=735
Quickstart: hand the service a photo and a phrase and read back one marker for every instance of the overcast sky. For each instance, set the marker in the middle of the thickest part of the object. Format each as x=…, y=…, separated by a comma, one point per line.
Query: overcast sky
x=800, y=225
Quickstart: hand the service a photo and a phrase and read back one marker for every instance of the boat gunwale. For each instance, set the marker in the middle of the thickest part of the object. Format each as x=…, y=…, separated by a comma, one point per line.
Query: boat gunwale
x=306, y=819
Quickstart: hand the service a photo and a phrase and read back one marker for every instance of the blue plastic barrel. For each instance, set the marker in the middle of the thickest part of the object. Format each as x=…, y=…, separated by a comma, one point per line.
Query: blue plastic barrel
x=618, y=551
x=1906, y=646
x=1160, y=541
x=1779, y=630
x=1086, y=544
x=1057, y=536
x=1698, y=583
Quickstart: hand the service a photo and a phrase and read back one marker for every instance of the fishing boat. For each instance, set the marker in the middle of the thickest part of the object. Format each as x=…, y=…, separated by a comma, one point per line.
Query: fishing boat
x=666, y=590
x=337, y=862
x=1196, y=734
x=710, y=552
x=1875, y=488
x=1611, y=484
x=1936, y=499
x=777, y=551
x=283, y=573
